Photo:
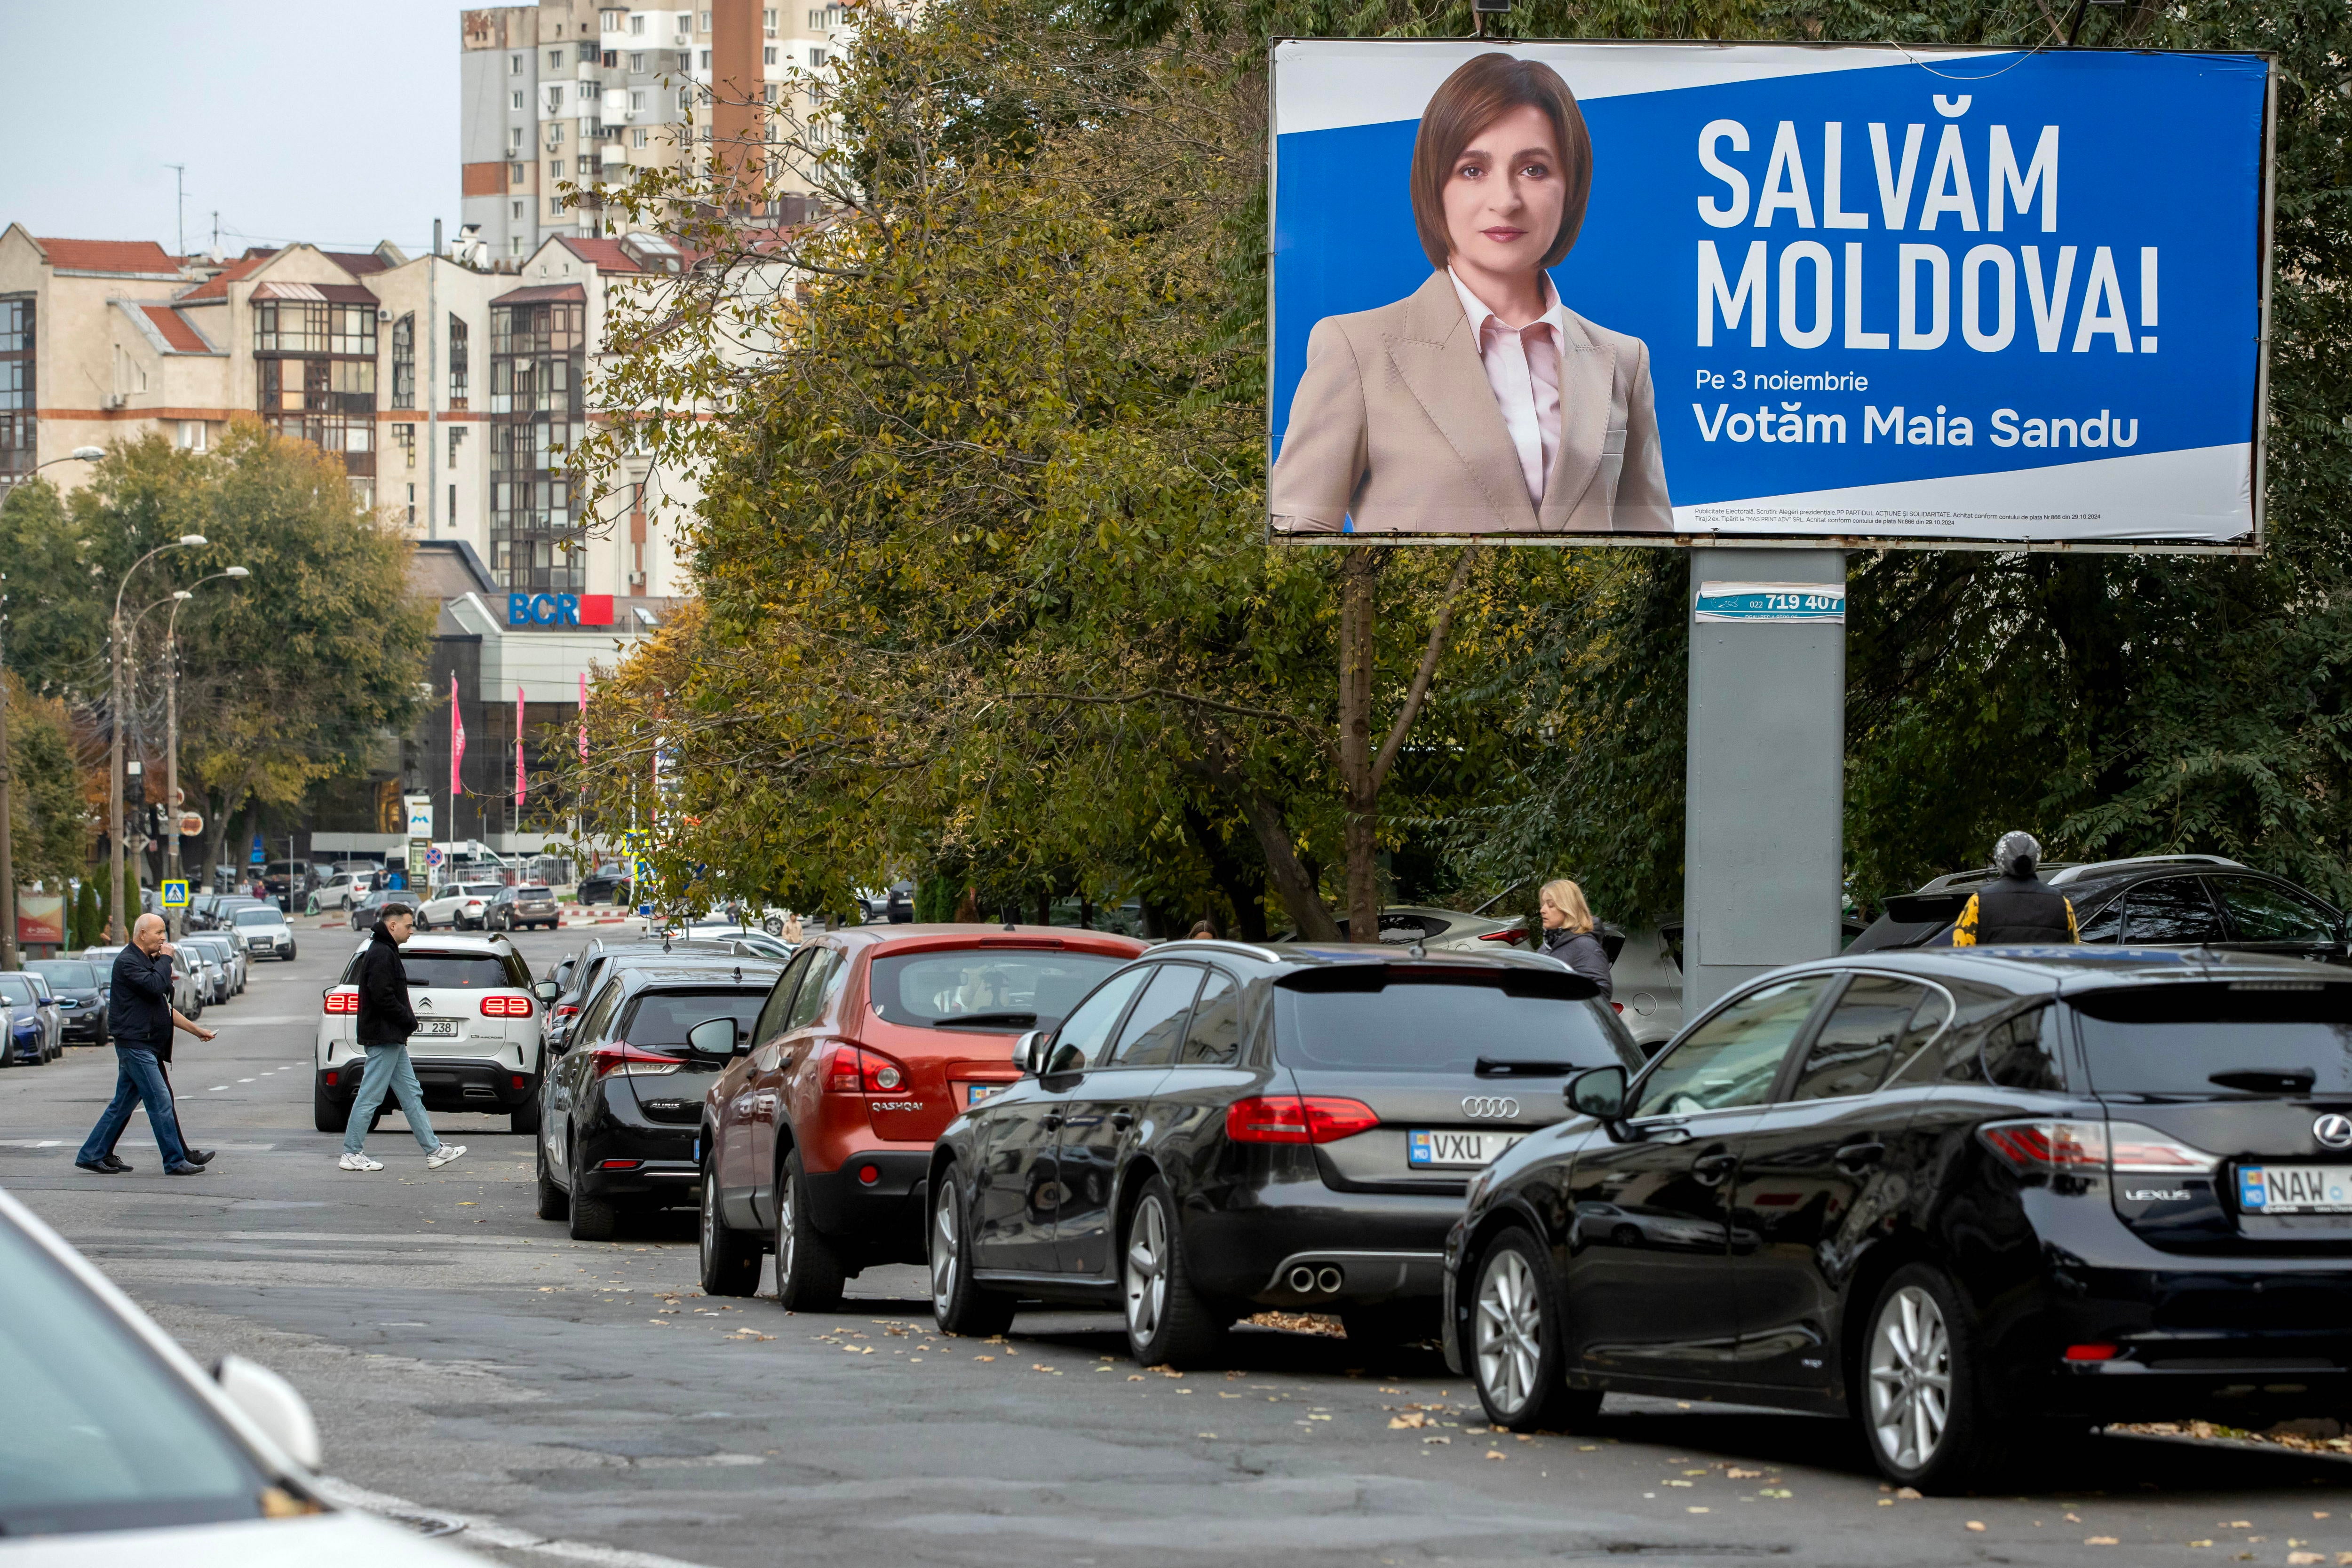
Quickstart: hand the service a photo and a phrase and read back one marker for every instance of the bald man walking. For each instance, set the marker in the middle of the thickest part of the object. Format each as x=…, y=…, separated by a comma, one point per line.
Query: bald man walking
x=141, y=1017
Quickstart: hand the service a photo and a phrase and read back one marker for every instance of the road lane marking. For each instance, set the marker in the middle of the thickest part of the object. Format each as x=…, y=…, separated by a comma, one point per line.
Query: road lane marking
x=490, y=1531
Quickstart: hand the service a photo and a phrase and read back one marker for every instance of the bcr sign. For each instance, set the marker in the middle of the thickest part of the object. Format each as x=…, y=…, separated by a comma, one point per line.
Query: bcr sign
x=559, y=610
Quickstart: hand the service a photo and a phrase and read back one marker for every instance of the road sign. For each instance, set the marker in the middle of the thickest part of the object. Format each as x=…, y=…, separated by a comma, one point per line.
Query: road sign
x=175, y=893
x=179, y=799
x=257, y=857
x=433, y=856
x=191, y=824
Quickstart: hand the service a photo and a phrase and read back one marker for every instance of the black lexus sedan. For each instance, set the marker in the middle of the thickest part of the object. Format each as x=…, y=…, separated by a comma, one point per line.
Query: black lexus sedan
x=621, y=1107
x=1221, y=1128
x=1966, y=1196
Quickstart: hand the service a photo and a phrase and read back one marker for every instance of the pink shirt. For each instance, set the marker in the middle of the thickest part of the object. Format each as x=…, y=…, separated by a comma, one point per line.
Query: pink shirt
x=1523, y=367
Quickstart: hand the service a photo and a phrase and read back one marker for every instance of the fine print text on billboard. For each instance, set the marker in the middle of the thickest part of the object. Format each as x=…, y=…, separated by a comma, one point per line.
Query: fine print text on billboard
x=1855, y=293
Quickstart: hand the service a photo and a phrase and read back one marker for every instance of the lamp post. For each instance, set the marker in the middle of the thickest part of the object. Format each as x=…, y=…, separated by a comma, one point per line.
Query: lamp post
x=118, y=926
x=172, y=724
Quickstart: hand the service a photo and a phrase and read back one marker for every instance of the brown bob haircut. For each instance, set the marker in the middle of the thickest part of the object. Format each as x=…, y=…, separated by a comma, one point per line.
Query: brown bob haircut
x=1483, y=90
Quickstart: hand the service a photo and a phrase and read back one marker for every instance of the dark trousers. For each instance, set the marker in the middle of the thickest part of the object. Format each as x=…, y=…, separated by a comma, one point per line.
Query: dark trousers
x=138, y=1078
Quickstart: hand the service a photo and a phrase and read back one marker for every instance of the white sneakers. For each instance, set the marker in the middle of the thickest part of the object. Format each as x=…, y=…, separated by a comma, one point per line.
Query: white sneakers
x=358, y=1163
x=444, y=1154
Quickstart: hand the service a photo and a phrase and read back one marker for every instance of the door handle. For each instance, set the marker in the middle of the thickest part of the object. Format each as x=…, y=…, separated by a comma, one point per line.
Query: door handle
x=1122, y=1119
x=1855, y=1156
x=1712, y=1168
x=1051, y=1121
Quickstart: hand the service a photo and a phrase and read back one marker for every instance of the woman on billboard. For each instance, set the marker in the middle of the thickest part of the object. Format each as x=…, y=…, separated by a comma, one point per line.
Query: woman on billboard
x=1480, y=403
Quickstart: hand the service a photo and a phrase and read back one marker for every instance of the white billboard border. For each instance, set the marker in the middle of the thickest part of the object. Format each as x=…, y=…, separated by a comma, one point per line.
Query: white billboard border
x=2267, y=238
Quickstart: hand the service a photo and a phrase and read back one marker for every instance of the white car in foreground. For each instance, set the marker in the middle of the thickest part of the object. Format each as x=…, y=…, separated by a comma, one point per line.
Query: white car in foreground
x=476, y=1045
x=119, y=1448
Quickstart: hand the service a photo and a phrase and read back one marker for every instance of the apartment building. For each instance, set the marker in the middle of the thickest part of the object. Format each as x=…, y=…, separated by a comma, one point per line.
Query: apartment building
x=573, y=91
x=451, y=395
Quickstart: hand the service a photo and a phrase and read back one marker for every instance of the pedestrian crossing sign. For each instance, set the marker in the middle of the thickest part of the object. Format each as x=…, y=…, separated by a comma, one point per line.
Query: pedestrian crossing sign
x=175, y=894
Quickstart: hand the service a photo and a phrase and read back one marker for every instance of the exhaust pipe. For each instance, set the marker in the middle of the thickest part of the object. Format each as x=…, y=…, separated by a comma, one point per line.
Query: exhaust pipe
x=1329, y=1280
x=1302, y=1280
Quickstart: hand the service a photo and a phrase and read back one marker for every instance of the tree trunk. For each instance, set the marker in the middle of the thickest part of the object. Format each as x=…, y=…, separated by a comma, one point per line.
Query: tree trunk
x=1292, y=882
x=1243, y=884
x=1359, y=579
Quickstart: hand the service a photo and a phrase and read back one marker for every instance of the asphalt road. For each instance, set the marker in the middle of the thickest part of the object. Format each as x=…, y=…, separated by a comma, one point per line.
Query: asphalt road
x=553, y=1400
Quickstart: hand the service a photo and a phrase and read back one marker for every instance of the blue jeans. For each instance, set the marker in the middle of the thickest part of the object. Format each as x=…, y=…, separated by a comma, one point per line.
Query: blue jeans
x=388, y=1069
x=138, y=1078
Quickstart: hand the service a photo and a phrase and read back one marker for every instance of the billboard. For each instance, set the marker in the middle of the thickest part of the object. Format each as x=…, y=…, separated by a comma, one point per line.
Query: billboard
x=1651, y=292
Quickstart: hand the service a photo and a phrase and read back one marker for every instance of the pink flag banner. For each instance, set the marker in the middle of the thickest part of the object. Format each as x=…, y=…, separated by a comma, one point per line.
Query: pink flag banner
x=457, y=746
x=522, y=785
x=584, y=717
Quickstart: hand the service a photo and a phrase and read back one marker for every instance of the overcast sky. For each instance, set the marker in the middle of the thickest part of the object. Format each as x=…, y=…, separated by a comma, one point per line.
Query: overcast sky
x=335, y=123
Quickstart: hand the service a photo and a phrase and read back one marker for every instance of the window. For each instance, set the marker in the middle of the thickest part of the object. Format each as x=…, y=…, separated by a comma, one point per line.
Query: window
x=809, y=1001
x=706, y=60
x=2175, y=910
x=2266, y=911
x=640, y=137
x=2020, y=1051
x=514, y=174
x=767, y=55
x=1214, y=1038
x=456, y=439
x=587, y=165
x=412, y=489
x=1732, y=1057
x=1083, y=1036
x=518, y=214
x=637, y=26
x=192, y=434
x=610, y=20
x=515, y=99
x=2214, y=1040
x=514, y=138
x=555, y=100
x=514, y=243
x=556, y=59
x=685, y=100
x=514, y=68
x=705, y=21
x=555, y=206
x=768, y=20
x=315, y=365
x=1862, y=1038
x=637, y=102
x=457, y=356
x=1371, y=1019
x=554, y=170
x=637, y=62
x=1155, y=1024
x=818, y=56
x=779, y=1005
x=1011, y=988
x=404, y=437
x=660, y=1019
x=404, y=363
x=538, y=372
x=555, y=134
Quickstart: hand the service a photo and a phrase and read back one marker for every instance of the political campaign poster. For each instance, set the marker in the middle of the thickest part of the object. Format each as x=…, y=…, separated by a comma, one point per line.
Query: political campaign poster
x=1656, y=293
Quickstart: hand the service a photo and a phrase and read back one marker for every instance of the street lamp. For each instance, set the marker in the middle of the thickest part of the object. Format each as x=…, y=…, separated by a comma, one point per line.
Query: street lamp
x=118, y=926
x=172, y=721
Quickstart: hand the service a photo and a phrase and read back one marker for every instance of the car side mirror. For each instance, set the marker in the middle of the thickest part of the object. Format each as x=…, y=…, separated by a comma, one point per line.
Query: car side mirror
x=271, y=1403
x=546, y=991
x=1030, y=1052
x=1598, y=1092
x=712, y=1037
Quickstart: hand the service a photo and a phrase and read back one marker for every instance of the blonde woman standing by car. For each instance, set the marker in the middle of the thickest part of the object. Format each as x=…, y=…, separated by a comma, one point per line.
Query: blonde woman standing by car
x=1568, y=935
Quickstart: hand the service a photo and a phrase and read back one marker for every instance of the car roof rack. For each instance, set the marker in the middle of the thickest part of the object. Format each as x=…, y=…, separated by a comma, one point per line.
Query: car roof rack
x=2132, y=863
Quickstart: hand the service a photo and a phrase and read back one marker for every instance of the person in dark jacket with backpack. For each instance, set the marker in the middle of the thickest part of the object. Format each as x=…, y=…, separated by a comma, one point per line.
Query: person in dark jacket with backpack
x=1569, y=933
x=2017, y=905
x=385, y=1022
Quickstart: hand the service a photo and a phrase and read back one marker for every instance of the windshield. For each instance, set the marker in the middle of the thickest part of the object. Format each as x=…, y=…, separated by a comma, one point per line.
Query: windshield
x=659, y=1019
x=1432, y=1023
x=100, y=1435
x=63, y=972
x=15, y=988
x=259, y=918
x=2256, y=1036
x=927, y=989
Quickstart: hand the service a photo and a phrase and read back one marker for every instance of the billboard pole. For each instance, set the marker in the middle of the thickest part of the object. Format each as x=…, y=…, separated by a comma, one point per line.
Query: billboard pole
x=1359, y=578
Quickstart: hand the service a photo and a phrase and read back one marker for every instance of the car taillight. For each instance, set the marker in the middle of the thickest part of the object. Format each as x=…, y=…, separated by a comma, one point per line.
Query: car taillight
x=343, y=1001
x=619, y=1056
x=506, y=1007
x=1510, y=937
x=1289, y=1119
x=2086, y=1147
x=853, y=1071
x=567, y=1009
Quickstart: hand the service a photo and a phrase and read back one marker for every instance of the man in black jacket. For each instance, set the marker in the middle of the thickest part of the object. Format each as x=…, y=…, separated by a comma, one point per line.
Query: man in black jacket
x=2017, y=905
x=141, y=1018
x=385, y=1022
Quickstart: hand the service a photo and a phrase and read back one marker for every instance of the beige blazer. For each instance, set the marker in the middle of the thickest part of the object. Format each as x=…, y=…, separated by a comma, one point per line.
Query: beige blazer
x=1395, y=424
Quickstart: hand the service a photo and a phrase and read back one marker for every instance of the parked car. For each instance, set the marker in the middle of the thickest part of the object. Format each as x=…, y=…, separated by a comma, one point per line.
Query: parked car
x=226, y=951
x=1446, y=930
x=27, y=1041
x=2155, y=901
x=262, y=932
x=608, y=883
x=620, y=1108
x=1963, y=1196
x=29, y=994
x=369, y=905
x=820, y=1137
x=457, y=906
x=80, y=987
x=523, y=909
x=598, y=958
x=1224, y=1128
x=288, y=881
x=748, y=940
x=184, y=994
x=344, y=889
x=476, y=1045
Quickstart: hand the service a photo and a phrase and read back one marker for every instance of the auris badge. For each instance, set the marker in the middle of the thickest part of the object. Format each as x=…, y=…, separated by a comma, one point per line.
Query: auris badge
x=2333, y=1131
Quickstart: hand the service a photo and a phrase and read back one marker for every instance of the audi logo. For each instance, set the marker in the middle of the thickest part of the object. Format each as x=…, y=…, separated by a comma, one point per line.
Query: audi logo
x=2333, y=1130
x=1485, y=1107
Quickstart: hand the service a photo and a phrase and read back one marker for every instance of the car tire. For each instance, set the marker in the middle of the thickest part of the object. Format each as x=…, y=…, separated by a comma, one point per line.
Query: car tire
x=730, y=1259
x=423, y=924
x=328, y=1112
x=1921, y=1401
x=1168, y=1323
x=289, y=953
x=524, y=1118
x=808, y=1269
x=1392, y=1323
x=1514, y=1346
x=593, y=1219
x=774, y=925
x=960, y=1306
x=554, y=1202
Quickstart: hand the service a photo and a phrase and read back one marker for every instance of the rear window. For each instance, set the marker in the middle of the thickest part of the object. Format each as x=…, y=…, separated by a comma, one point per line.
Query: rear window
x=663, y=1018
x=532, y=892
x=2246, y=1037
x=1007, y=988
x=65, y=971
x=1387, y=1021
x=259, y=918
x=459, y=971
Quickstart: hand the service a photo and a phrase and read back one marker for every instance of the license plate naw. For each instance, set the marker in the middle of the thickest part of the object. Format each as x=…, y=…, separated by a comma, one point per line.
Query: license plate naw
x=2295, y=1189
x=1430, y=1150
x=437, y=1029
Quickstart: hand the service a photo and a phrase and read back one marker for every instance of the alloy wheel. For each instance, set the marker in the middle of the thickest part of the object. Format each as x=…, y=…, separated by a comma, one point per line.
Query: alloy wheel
x=785, y=1228
x=1147, y=1271
x=709, y=1230
x=1507, y=1338
x=1910, y=1378
x=944, y=1249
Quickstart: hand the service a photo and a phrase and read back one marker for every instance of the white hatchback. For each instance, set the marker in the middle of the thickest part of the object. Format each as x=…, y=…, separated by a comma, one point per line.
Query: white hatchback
x=476, y=1045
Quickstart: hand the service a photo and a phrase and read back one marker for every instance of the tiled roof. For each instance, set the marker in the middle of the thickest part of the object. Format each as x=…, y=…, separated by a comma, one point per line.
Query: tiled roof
x=544, y=294
x=184, y=338
x=605, y=255
x=216, y=287
x=133, y=256
x=358, y=263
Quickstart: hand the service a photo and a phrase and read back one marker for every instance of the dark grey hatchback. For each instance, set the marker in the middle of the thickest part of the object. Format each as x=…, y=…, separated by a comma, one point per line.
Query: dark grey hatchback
x=1222, y=1127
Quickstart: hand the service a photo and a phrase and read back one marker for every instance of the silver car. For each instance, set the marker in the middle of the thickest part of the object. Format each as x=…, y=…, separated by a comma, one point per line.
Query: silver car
x=225, y=951
x=261, y=930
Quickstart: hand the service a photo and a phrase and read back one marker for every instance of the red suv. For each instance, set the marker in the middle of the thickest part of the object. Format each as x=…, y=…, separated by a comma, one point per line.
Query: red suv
x=817, y=1140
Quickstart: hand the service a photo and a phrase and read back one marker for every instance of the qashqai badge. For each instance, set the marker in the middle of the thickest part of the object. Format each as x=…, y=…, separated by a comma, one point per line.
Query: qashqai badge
x=2333, y=1131
x=1481, y=1107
